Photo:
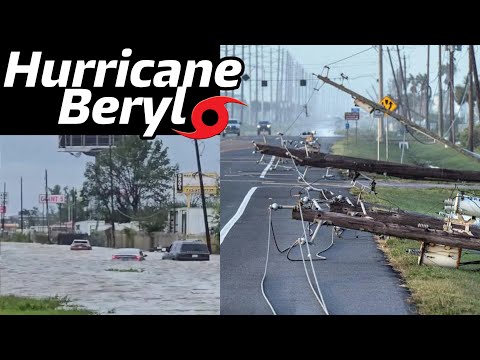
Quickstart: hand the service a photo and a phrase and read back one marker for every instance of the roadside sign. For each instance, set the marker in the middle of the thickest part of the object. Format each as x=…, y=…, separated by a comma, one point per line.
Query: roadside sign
x=179, y=182
x=388, y=103
x=378, y=114
x=355, y=110
x=4, y=197
x=3, y=209
x=347, y=125
x=52, y=199
x=352, y=116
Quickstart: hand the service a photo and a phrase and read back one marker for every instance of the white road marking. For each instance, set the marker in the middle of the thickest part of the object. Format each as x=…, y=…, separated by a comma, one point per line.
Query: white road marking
x=264, y=172
x=238, y=214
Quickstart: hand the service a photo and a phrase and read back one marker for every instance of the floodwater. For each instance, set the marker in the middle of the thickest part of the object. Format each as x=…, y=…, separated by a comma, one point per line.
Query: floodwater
x=163, y=287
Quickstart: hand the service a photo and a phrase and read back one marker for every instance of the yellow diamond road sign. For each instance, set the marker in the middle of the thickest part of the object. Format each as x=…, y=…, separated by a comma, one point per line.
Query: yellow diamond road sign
x=388, y=103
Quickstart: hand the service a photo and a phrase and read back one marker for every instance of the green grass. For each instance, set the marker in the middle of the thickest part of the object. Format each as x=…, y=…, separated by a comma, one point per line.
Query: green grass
x=434, y=290
x=17, y=305
x=126, y=270
x=425, y=201
x=418, y=154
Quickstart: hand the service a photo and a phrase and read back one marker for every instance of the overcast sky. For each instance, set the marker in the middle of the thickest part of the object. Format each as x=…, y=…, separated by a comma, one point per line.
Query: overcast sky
x=28, y=156
x=357, y=62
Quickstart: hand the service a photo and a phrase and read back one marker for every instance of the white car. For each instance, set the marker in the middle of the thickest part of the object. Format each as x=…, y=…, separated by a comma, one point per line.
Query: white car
x=80, y=244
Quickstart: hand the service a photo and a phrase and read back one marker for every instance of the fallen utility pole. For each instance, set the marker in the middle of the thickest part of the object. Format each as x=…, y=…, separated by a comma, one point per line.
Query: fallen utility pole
x=382, y=225
x=322, y=160
x=398, y=217
x=398, y=117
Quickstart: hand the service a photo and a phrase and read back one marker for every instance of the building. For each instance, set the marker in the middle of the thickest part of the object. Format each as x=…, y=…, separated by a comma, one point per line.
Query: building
x=189, y=221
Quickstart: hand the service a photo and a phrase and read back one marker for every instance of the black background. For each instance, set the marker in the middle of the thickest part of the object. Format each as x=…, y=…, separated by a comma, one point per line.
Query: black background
x=36, y=110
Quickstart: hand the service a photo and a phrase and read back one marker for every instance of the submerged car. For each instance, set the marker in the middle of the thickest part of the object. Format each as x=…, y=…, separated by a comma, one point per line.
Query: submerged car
x=264, y=127
x=233, y=127
x=188, y=250
x=127, y=254
x=80, y=245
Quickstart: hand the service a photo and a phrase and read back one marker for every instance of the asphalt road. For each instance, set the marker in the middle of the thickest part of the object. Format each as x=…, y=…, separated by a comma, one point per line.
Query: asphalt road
x=354, y=279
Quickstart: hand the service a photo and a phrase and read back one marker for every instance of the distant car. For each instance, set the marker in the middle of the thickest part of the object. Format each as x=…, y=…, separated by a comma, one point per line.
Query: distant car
x=233, y=127
x=129, y=254
x=191, y=250
x=264, y=127
x=80, y=245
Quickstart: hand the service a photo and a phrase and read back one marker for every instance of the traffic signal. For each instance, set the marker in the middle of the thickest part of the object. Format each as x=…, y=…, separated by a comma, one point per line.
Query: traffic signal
x=179, y=183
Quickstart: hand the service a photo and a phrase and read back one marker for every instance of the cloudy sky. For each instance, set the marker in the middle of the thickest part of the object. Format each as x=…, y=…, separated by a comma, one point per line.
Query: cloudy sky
x=357, y=62
x=28, y=156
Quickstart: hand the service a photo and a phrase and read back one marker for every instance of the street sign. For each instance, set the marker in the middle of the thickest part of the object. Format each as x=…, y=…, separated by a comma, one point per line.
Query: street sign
x=3, y=198
x=355, y=110
x=352, y=116
x=347, y=126
x=378, y=114
x=388, y=103
x=52, y=199
x=179, y=182
x=3, y=209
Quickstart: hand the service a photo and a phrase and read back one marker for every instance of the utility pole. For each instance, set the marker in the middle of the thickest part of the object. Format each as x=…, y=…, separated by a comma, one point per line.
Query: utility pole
x=242, y=89
x=475, y=74
x=256, y=84
x=250, y=85
x=46, y=205
x=380, y=91
x=427, y=88
x=440, y=93
x=21, y=204
x=277, y=100
x=263, y=78
x=174, y=203
x=4, y=213
x=111, y=194
x=470, y=100
x=452, y=97
x=202, y=191
x=232, y=108
x=74, y=209
x=271, y=84
x=281, y=89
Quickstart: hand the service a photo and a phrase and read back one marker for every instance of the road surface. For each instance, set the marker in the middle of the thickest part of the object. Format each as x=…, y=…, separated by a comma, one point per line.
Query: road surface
x=355, y=278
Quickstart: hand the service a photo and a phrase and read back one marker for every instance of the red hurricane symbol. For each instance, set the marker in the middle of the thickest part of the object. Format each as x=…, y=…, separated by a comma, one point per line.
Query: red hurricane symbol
x=217, y=104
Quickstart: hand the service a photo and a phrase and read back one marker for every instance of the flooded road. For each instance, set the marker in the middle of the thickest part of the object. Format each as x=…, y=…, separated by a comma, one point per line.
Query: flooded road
x=86, y=277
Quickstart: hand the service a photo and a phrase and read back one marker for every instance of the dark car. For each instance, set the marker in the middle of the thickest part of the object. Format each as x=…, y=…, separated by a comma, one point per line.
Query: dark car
x=80, y=245
x=264, y=127
x=192, y=250
x=129, y=254
x=233, y=127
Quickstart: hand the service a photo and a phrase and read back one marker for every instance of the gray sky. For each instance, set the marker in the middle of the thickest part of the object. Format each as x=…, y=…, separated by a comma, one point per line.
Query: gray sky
x=362, y=69
x=29, y=155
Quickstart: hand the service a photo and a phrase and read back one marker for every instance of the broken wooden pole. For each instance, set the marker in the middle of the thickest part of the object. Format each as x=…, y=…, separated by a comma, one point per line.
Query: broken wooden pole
x=370, y=166
x=399, y=217
x=398, y=117
x=382, y=226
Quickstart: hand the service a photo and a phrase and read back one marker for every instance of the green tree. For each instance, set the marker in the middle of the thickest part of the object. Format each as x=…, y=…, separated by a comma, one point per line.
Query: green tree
x=476, y=137
x=460, y=92
x=141, y=179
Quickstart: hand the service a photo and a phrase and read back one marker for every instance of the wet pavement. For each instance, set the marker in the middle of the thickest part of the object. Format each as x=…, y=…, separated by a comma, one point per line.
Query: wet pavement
x=158, y=287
